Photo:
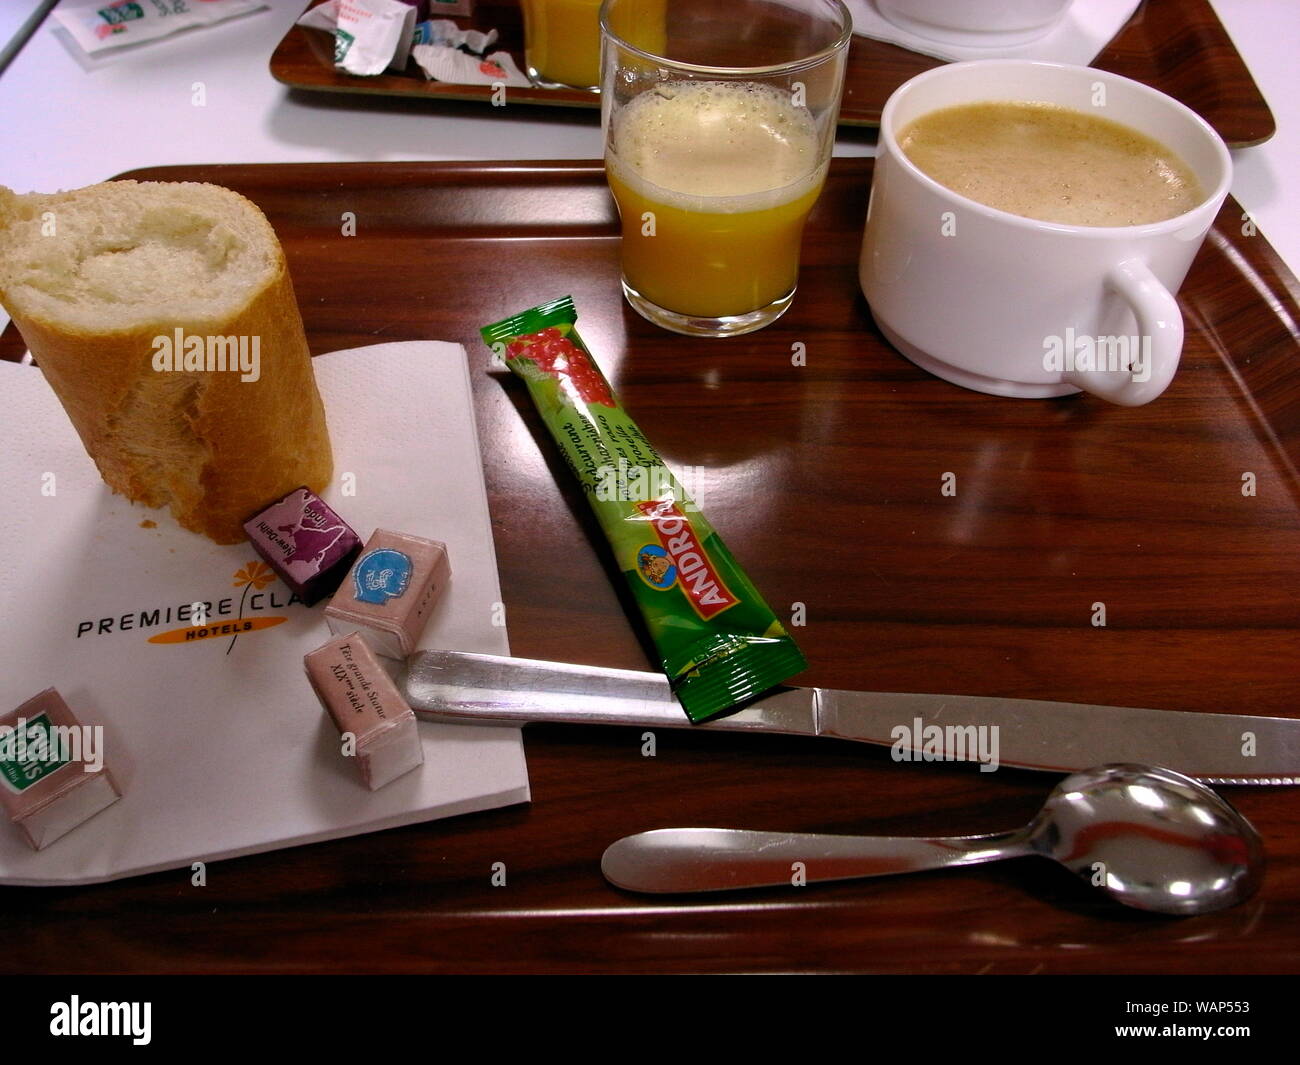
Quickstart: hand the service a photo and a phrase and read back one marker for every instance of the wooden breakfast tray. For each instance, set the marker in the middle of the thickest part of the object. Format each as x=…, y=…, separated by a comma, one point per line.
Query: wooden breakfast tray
x=825, y=481
x=1177, y=46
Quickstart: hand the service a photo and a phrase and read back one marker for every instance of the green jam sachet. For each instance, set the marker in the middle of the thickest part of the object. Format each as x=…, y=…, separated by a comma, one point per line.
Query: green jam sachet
x=718, y=642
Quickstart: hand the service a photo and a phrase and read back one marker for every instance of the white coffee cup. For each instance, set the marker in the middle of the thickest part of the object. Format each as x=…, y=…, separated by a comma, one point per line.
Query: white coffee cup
x=1010, y=305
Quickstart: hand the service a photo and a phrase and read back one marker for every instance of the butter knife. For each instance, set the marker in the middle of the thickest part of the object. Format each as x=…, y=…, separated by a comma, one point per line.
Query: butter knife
x=458, y=687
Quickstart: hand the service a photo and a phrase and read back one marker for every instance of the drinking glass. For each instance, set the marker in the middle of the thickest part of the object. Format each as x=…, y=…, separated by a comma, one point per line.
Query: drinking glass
x=562, y=42
x=719, y=119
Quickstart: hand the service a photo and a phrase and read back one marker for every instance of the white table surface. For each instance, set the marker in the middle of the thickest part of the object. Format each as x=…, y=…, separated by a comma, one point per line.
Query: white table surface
x=63, y=125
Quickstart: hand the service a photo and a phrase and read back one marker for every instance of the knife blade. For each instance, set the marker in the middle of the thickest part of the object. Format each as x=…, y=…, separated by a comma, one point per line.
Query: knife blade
x=1055, y=737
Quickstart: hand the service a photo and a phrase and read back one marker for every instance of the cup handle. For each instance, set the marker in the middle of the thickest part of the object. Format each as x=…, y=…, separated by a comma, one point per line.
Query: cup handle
x=1159, y=318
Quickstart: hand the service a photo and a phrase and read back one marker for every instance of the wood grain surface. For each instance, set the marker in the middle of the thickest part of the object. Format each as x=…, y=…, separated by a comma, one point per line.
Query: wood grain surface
x=825, y=482
x=1177, y=46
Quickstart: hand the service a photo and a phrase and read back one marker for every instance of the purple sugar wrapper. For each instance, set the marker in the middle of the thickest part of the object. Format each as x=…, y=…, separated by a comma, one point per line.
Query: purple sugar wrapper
x=308, y=545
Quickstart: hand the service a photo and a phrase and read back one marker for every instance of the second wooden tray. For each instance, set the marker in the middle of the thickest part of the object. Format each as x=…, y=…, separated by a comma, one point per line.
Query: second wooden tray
x=1176, y=46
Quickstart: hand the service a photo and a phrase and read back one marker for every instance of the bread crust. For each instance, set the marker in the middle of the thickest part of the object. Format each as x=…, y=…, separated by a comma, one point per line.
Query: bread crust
x=211, y=446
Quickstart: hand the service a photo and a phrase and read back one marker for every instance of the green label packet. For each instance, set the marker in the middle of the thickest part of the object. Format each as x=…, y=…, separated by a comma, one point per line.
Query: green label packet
x=29, y=753
x=719, y=643
x=120, y=13
x=343, y=42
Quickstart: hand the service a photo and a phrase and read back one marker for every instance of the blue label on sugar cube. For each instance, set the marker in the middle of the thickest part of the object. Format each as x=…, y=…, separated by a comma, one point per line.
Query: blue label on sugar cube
x=381, y=575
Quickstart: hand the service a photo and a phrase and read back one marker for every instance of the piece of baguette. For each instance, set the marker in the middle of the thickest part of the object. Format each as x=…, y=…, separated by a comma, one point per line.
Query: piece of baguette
x=98, y=278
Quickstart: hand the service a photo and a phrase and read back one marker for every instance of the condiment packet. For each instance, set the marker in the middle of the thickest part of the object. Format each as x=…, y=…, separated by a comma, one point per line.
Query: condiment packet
x=370, y=36
x=445, y=32
x=99, y=24
x=52, y=774
x=441, y=63
x=718, y=642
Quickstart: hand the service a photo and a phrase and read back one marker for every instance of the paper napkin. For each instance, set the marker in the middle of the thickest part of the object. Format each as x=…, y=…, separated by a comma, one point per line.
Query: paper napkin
x=218, y=744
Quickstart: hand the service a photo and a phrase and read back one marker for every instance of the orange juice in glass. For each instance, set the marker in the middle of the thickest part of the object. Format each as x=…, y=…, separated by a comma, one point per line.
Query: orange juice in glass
x=562, y=42
x=716, y=149
x=562, y=38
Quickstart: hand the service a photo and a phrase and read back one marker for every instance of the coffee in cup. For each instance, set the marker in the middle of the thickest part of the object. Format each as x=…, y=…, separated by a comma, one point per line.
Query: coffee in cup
x=1044, y=161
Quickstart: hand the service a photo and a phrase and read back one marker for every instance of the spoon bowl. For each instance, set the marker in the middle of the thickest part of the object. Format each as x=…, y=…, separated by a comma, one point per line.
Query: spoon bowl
x=1150, y=838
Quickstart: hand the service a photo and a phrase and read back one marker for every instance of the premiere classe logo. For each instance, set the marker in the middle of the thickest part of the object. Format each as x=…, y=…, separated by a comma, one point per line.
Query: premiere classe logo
x=204, y=619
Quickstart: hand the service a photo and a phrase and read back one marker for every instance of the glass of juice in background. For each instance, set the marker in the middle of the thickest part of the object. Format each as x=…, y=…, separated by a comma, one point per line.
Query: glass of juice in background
x=562, y=42
x=719, y=120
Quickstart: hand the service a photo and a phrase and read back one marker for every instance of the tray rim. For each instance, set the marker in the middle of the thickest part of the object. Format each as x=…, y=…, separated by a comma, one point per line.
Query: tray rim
x=580, y=166
x=585, y=167
x=1273, y=439
x=1284, y=446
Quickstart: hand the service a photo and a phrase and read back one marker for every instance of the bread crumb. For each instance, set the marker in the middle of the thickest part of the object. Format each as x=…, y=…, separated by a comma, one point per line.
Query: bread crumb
x=147, y=524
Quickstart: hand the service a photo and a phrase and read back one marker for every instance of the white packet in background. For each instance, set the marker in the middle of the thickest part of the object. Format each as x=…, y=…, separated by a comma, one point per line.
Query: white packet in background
x=100, y=24
x=441, y=63
x=445, y=32
x=323, y=17
x=370, y=36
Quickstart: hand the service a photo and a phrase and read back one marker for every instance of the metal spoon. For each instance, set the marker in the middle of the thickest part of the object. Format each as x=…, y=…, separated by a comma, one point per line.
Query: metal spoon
x=1150, y=838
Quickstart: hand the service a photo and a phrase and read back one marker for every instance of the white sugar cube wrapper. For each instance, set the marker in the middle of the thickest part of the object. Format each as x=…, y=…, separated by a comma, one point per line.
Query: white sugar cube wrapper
x=221, y=748
x=99, y=24
x=455, y=67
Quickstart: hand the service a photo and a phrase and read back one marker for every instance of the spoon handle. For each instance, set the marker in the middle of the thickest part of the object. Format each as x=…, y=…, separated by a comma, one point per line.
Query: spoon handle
x=725, y=859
